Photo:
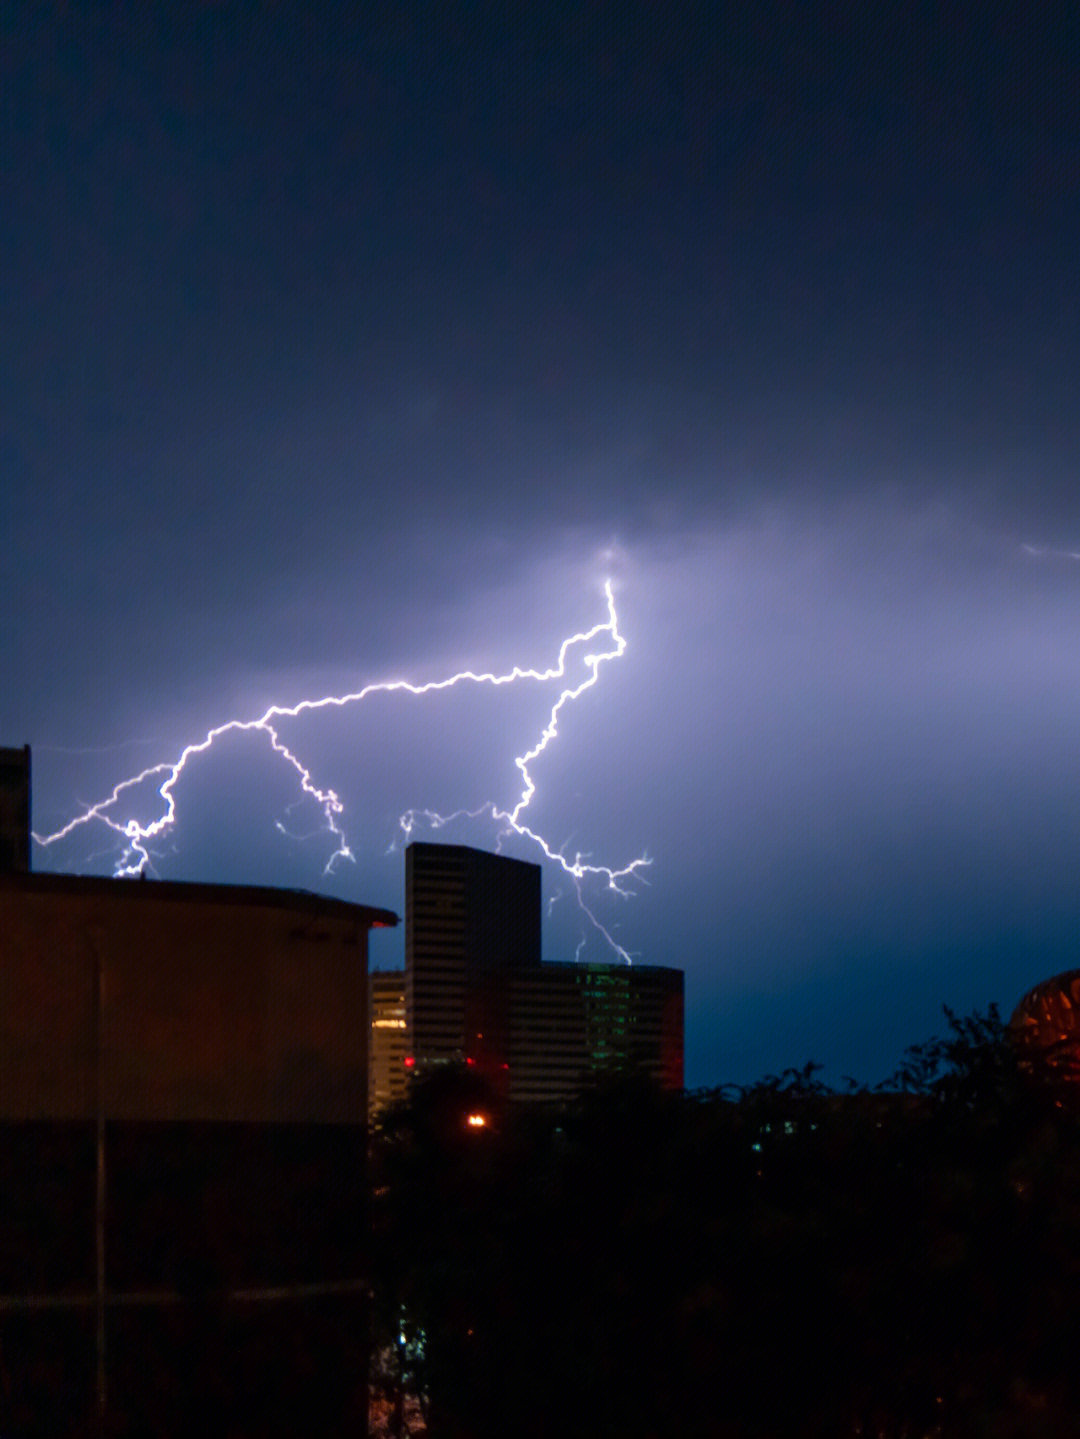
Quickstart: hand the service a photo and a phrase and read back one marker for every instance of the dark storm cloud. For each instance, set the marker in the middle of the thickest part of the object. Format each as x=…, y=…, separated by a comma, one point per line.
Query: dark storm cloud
x=872, y=772
x=846, y=740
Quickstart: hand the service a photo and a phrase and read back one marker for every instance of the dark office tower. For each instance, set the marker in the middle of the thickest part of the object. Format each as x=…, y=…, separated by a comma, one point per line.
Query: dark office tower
x=572, y=1025
x=15, y=810
x=470, y=919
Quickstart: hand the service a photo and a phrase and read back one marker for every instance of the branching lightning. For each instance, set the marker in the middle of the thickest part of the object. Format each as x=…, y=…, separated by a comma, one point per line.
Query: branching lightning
x=138, y=837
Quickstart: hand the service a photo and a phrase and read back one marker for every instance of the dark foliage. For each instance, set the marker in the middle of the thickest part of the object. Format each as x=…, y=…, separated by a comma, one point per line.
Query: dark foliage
x=786, y=1259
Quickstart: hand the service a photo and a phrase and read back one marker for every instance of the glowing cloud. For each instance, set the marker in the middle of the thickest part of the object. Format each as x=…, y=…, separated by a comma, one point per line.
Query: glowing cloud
x=606, y=644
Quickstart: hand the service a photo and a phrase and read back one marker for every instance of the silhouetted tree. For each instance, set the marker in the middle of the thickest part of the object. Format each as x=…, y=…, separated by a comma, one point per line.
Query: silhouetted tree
x=786, y=1258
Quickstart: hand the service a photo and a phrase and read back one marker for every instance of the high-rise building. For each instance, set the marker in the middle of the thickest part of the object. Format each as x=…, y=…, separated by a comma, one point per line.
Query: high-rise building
x=574, y=1024
x=476, y=991
x=471, y=918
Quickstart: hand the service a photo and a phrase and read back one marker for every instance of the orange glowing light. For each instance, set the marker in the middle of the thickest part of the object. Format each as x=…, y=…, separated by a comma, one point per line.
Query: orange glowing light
x=476, y=1121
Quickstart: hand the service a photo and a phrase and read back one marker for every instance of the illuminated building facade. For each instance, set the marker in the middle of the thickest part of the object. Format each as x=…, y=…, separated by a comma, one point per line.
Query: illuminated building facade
x=476, y=991
x=388, y=1045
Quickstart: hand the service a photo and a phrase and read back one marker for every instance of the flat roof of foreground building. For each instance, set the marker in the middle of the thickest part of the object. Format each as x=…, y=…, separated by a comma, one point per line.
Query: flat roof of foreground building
x=140, y=889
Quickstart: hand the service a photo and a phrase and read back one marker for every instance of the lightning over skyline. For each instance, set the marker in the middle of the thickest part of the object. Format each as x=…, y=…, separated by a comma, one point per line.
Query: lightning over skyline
x=342, y=348
x=137, y=836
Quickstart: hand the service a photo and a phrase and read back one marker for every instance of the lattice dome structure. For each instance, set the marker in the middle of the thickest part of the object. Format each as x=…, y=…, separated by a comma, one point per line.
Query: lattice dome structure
x=1045, y=1029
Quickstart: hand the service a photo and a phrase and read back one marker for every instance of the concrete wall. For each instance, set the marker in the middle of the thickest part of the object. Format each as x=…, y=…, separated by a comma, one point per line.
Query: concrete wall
x=195, y=1263
x=212, y=1009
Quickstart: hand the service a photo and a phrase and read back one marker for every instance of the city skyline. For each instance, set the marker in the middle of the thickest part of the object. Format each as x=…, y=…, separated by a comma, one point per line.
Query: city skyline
x=477, y=993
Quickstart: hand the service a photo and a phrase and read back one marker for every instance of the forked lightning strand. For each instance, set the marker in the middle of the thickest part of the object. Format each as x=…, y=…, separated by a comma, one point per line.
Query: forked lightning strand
x=137, y=836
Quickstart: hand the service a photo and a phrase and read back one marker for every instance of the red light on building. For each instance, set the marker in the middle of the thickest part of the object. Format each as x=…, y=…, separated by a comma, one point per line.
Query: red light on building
x=409, y=1061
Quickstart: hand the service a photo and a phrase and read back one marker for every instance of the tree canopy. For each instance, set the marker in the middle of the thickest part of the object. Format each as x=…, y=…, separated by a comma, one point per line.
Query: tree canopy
x=787, y=1258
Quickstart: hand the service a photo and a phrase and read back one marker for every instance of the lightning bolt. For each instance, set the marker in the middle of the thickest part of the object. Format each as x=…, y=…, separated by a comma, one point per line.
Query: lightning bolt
x=606, y=644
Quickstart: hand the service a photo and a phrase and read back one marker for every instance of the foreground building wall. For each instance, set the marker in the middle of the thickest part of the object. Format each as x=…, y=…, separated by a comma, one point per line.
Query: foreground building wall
x=183, y=1101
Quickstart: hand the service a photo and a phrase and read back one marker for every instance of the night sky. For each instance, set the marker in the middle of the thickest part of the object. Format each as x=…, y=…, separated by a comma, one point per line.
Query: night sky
x=344, y=345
